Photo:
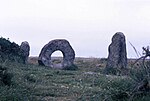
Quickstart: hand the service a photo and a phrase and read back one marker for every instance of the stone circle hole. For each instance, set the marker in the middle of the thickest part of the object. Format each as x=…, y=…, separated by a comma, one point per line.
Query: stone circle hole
x=57, y=58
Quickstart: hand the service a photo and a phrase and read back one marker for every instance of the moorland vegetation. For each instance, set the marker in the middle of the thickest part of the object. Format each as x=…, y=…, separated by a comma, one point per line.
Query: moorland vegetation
x=31, y=82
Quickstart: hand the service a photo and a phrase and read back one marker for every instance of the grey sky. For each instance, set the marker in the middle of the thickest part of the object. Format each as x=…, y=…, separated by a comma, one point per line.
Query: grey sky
x=87, y=24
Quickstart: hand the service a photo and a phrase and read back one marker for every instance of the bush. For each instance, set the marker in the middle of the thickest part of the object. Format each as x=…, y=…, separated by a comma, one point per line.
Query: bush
x=141, y=77
x=10, y=51
x=72, y=67
x=5, y=77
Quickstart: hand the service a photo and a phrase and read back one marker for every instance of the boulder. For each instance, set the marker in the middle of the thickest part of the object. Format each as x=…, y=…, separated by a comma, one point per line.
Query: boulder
x=117, y=58
x=58, y=45
x=25, y=49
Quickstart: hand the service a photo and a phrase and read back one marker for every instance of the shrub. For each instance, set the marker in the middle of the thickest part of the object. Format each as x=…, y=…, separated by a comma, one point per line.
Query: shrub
x=10, y=51
x=5, y=77
x=72, y=67
x=141, y=85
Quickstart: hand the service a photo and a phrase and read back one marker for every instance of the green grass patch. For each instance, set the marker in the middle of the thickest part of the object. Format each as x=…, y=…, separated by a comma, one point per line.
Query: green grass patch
x=37, y=83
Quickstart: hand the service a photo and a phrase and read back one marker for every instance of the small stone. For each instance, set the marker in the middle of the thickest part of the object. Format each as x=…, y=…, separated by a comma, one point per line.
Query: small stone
x=25, y=49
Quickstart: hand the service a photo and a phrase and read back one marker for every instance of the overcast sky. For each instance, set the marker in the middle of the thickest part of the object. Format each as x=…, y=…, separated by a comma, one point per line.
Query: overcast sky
x=87, y=24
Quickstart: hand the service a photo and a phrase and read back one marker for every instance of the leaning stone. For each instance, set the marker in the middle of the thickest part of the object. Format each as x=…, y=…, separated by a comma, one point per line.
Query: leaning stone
x=25, y=49
x=58, y=45
x=117, y=58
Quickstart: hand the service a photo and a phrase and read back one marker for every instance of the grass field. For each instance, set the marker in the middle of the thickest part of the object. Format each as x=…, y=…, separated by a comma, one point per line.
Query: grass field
x=38, y=83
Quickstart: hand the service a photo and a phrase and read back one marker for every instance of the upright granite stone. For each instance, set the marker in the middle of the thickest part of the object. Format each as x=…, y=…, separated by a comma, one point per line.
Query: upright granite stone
x=58, y=45
x=117, y=58
x=25, y=50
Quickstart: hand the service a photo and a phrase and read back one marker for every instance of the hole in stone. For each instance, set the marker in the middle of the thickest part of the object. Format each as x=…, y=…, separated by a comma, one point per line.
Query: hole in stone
x=57, y=59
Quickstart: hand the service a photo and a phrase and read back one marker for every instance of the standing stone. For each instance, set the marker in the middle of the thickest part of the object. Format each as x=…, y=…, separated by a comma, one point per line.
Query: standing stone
x=25, y=49
x=58, y=45
x=117, y=58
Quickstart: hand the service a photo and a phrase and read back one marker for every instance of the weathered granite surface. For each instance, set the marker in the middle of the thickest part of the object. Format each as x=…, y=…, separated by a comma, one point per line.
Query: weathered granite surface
x=25, y=49
x=58, y=45
x=117, y=57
